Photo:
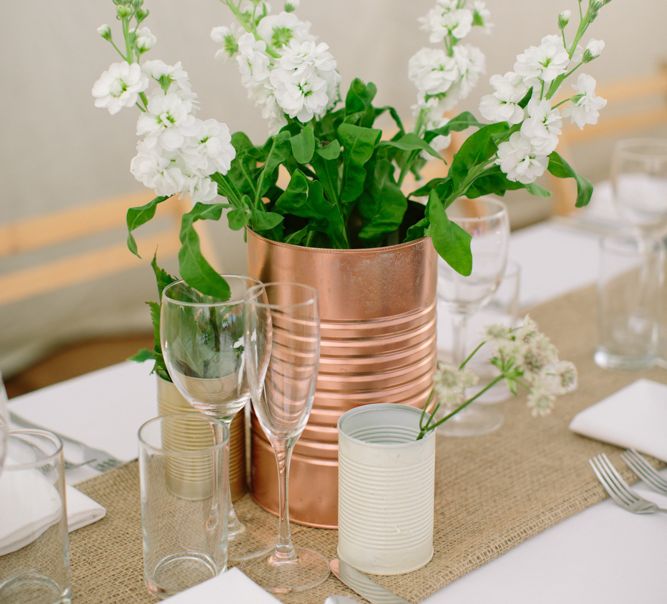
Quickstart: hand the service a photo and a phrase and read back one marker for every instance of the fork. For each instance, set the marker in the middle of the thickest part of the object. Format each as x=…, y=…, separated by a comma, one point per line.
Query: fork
x=618, y=489
x=645, y=471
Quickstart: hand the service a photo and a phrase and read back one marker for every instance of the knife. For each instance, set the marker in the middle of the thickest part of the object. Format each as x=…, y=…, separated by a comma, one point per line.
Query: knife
x=363, y=585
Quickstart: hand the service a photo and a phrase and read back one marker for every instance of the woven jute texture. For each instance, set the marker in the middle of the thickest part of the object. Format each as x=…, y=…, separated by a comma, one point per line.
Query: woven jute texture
x=492, y=492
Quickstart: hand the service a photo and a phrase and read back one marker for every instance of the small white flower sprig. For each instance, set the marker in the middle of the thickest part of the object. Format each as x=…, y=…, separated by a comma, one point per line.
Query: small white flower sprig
x=284, y=68
x=445, y=76
x=523, y=356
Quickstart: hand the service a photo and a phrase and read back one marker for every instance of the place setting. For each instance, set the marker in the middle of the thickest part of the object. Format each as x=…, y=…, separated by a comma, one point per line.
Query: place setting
x=398, y=395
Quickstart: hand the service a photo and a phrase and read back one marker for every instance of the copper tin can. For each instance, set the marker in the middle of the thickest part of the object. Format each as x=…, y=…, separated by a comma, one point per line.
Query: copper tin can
x=378, y=345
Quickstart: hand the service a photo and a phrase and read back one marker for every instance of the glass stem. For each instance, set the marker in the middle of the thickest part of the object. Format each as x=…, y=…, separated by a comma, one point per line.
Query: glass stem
x=284, y=551
x=459, y=332
x=234, y=525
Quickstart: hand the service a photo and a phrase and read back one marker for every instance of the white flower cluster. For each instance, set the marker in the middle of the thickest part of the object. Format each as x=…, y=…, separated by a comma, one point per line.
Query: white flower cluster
x=286, y=71
x=524, y=157
x=176, y=152
x=530, y=353
x=446, y=75
x=450, y=384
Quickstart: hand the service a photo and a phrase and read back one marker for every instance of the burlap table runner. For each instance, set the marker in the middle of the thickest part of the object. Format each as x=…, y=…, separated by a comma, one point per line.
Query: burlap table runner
x=492, y=492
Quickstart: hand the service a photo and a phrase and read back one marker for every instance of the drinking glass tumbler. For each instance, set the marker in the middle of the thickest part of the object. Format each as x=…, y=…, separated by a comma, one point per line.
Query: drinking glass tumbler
x=184, y=533
x=34, y=547
x=629, y=301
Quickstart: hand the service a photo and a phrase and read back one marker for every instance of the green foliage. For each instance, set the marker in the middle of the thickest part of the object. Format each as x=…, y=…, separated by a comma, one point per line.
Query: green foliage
x=561, y=169
x=139, y=216
x=450, y=241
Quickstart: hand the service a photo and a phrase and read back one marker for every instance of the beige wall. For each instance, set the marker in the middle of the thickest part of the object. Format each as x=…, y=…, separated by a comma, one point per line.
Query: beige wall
x=57, y=150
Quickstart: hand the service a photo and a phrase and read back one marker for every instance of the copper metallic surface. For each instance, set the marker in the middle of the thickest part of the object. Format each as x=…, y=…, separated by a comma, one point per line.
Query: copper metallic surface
x=378, y=345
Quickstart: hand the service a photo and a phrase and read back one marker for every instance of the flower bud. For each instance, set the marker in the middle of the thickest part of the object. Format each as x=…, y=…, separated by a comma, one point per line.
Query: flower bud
x=218, y=34
x=291, y=6
x=564, y=19
x=104, y=31
x=124, y=11
x=593, y=50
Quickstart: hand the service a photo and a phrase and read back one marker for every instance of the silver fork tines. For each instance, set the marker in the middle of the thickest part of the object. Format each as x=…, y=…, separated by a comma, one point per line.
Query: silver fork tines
x=618, y=489
x=645, y=471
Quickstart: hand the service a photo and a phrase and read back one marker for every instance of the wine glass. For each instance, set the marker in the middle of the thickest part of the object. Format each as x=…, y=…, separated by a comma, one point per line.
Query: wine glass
x=4, y=423
x=282, y=348
x=486, y=221
x=202, y=344
x=639, y=184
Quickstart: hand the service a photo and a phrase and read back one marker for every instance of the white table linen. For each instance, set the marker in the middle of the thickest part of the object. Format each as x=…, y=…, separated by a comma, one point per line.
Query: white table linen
x=232, y=586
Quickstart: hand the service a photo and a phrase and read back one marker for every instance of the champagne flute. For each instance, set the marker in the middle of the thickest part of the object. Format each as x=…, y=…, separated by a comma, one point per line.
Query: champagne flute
x=282, y=348
x=487, y=223
x=202, y=344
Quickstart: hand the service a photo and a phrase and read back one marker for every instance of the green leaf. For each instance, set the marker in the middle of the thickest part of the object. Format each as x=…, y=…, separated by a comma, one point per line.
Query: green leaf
x=359, y=103
x=303, y=144
x=412, y=142
x=358, y=146
x=417, y=230
x=394, y=116
x=330, y=151
x=155, y=320
x=461, y=122
x=537, y=190
x=561, y=169
x=138, y=216
x=450, y=241
x=278, y=154
x=477, y=149
x=261, y=221
x=162, y=277
x=237, y=219
x=383, y=207
x=194, y=268
x=143, y=355
x=305, y=199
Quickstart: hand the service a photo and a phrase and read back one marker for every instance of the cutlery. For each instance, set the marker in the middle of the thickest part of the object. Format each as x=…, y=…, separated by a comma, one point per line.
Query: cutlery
x=363, y=585
x=645, y=471
x=95, y=458
x=618, y=489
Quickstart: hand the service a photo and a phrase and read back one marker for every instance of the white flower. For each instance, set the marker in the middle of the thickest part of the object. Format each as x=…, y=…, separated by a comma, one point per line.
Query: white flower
x=471, y=64
x=482, y=15
x=219, y=33
x=540, y=401
x=558, y=379
x=252, y=60
x=538, y=354
x=498, y=333
x=168, y=118
x=444, y=20
x=279, y=30
x=215, y=144
x=527, y=330
x=450, y=384
x=503, y=104
x=305, y=80
x=145, y=39
x=519, y=161
x=119, y=86
x=176, y=76
x=544, y=62
x=564, y=18
x=542, y=127
x=586, y=109
x=432, y=71
x=593, y=50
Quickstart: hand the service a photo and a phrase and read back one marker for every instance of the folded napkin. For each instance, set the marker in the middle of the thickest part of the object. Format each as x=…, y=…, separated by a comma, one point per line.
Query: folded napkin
x=103, y=409
x=23, y=519
x=231, y=586
x=634, y=417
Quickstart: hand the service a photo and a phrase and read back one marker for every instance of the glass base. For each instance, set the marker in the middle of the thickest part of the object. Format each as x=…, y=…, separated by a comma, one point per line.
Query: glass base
x=473, y=421
x=32, y=587
x=306, y=570
x=246, y=544
x=179, y=572
x=607, y=360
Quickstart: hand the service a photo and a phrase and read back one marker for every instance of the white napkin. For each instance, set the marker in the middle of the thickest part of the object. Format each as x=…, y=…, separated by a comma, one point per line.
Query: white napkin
x=231, y=586
x=634, y=417
x=103, y=409
x=23, y=519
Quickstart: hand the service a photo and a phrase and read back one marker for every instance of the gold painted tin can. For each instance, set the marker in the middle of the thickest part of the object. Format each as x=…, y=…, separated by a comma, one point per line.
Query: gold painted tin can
x=191, y=482
x=378, y=345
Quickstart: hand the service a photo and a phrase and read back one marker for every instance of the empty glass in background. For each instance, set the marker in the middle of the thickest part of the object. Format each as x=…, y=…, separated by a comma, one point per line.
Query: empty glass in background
x=183, y=501
x=639, y=183
x=202, y=344
x=282, y=350
x=34, y=546
x=630, y=301
x=486, y=221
